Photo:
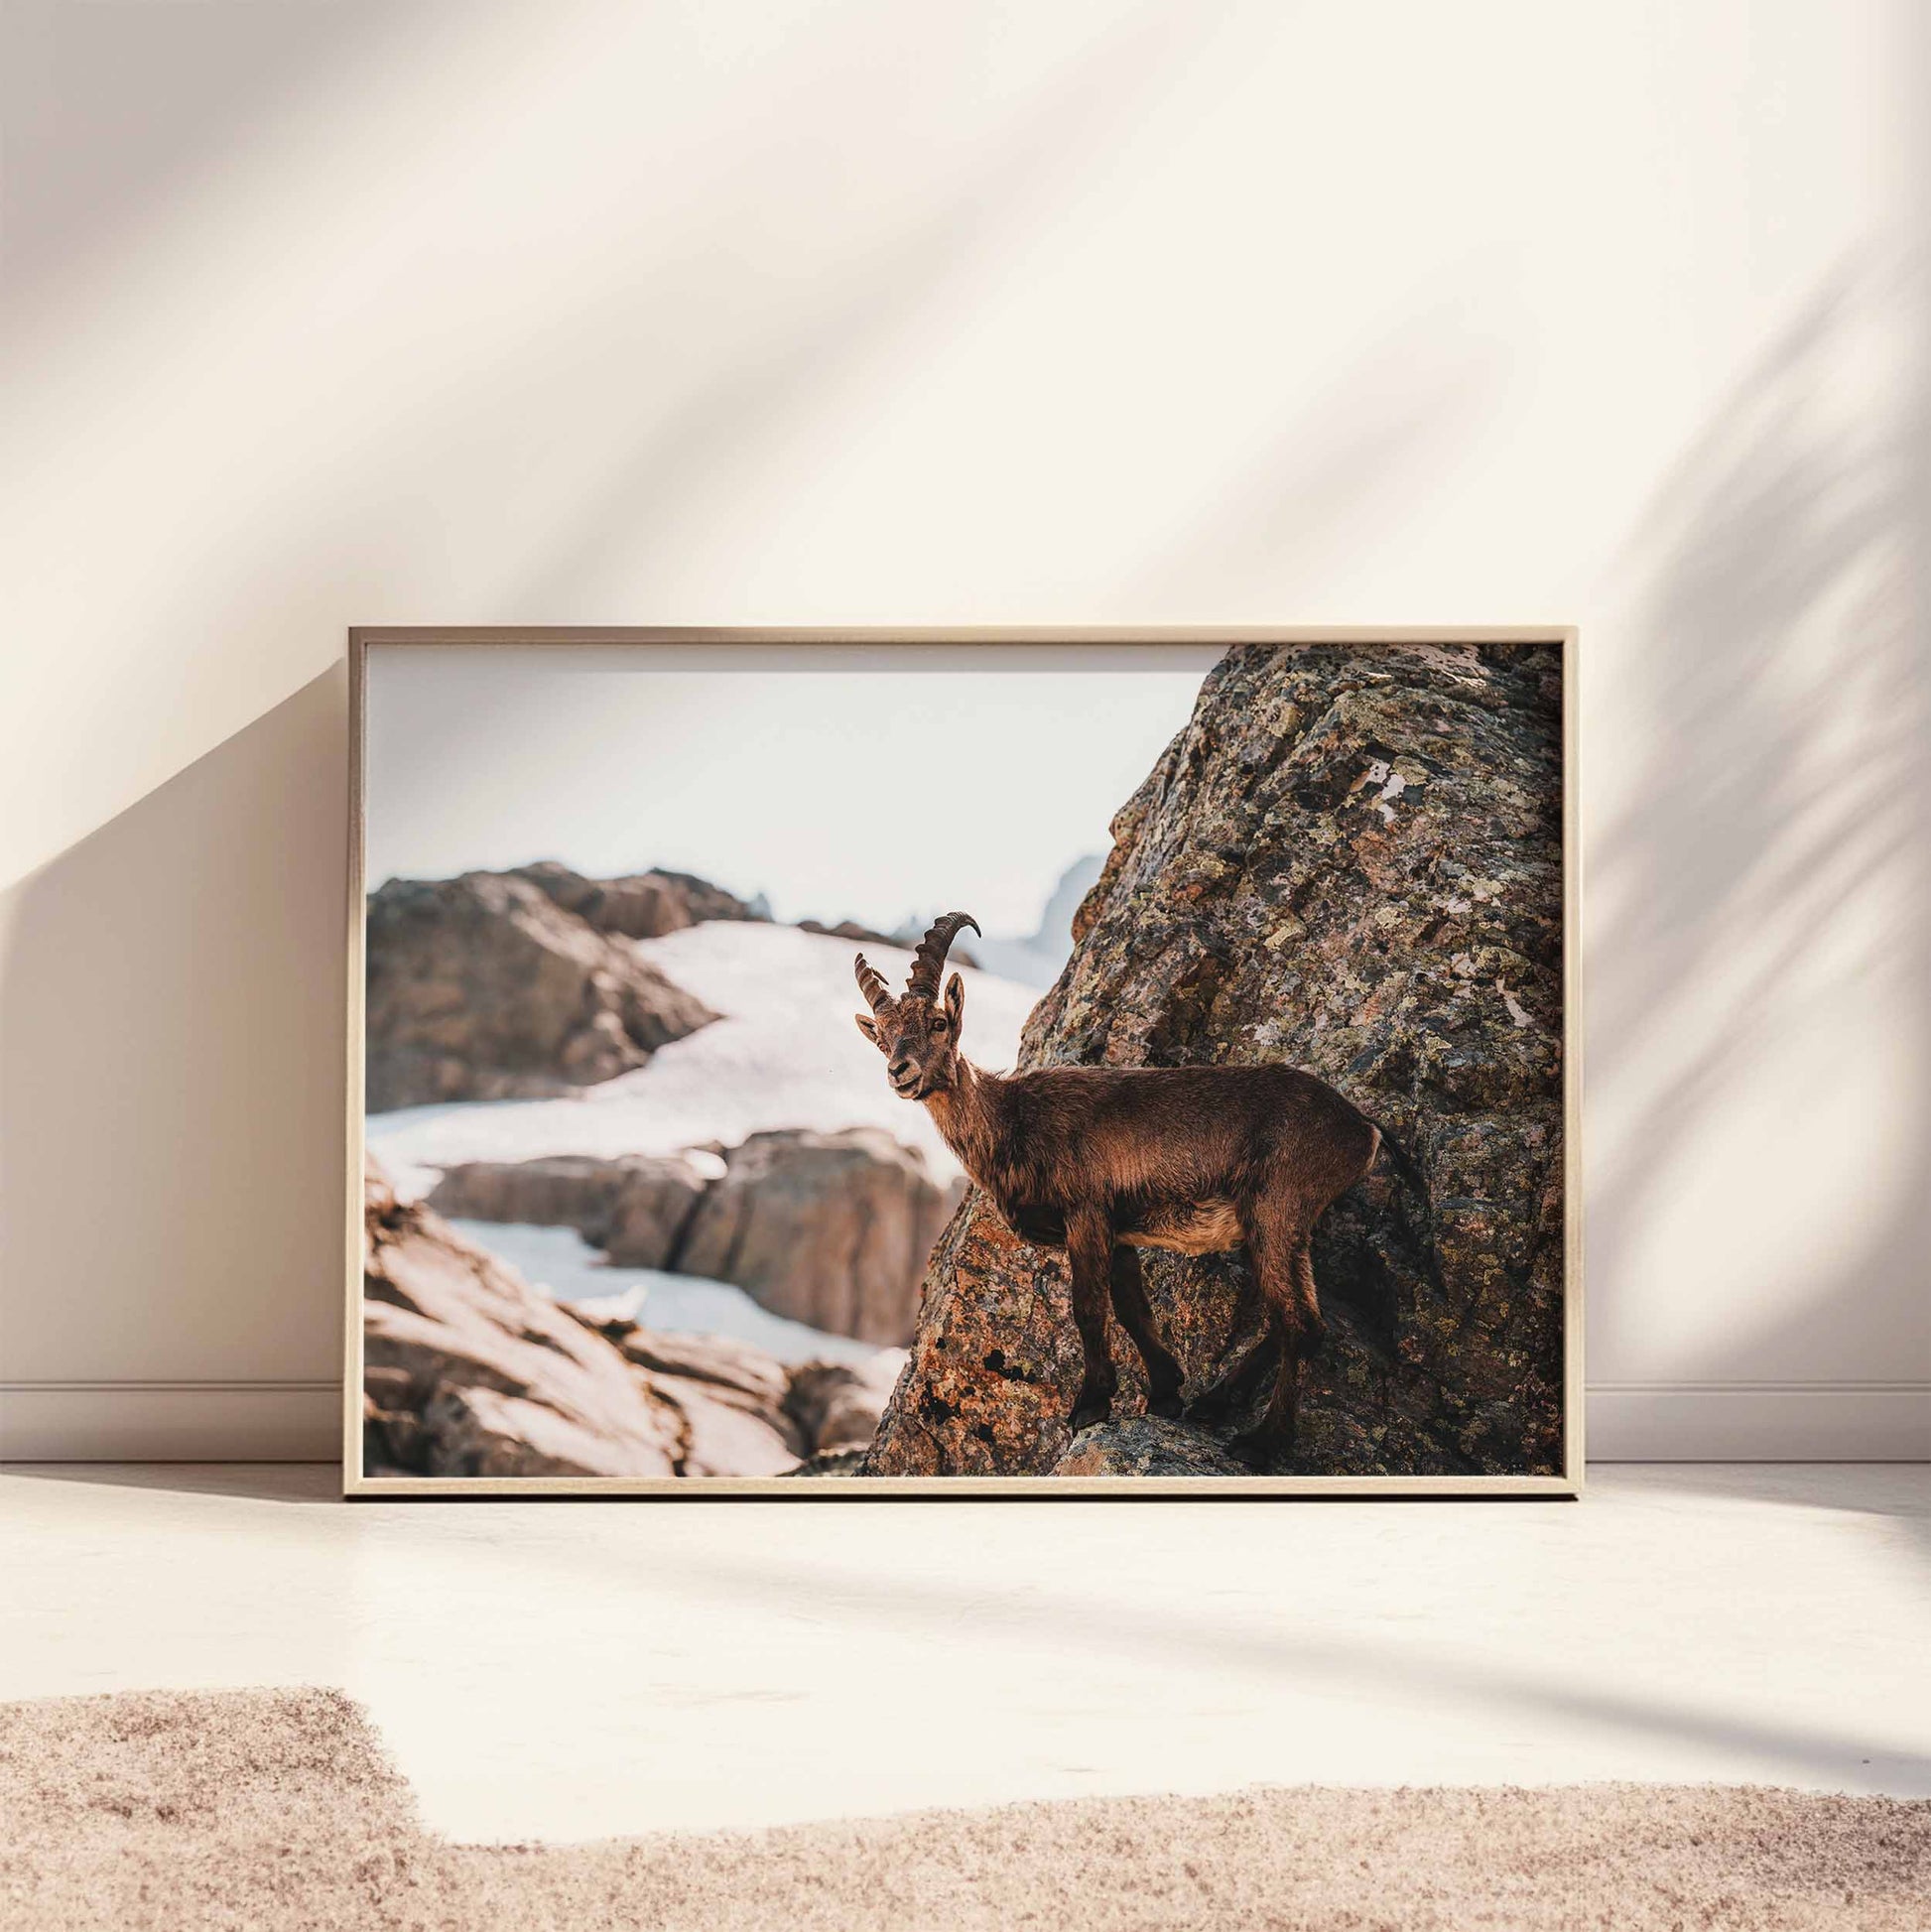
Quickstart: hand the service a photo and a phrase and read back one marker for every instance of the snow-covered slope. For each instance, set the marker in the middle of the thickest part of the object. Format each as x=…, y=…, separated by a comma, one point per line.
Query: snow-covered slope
x=785, y=1055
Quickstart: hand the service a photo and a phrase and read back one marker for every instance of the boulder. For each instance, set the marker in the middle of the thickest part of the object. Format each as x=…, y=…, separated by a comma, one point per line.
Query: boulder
x=1145, y=1445
x=723, y=1437
x=836, y=1404
x=471, y=1428
x=635, y=1207
x=484, y=987
x=738, y=1369
x=844, y=1463
x=471, y=1372
x=735, y=1398
x=1350, y=860
x=640, y=905
x=830, y=1230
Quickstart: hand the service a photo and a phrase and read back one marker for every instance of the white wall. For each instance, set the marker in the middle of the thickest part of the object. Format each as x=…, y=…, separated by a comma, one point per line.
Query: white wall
x=381, y=312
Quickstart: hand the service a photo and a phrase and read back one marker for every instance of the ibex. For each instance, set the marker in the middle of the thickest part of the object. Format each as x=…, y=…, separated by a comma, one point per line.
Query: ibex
x=1104, y=1160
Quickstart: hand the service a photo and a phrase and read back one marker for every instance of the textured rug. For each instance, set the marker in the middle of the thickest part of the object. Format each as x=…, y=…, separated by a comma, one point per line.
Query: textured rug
x=273, y=1809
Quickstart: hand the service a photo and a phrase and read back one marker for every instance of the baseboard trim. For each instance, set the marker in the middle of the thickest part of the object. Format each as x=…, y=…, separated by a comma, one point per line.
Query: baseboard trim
x=1759, y=1422
x=1627, y=1422
x=170, y=1422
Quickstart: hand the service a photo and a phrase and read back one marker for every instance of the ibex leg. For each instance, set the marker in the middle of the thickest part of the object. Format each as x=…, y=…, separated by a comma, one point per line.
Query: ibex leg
x=1135, y=1314
x=1284, y=1272
x=1089, y=1249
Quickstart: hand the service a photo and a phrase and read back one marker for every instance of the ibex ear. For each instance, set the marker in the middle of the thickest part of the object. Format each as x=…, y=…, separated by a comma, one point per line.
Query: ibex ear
x=869, y=1028
x=955, y=1000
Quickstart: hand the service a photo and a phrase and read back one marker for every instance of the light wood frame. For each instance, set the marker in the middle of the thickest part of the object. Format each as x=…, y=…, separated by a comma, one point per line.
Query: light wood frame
x=1567, y=1484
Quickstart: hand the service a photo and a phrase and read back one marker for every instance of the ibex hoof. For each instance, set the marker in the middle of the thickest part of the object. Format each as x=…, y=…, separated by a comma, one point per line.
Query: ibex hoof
x=1215, y=1406
x=1093, y=1406
x=1166, y=1404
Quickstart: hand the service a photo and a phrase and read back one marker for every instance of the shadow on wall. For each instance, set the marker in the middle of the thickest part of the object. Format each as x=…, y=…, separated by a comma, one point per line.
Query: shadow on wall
x=171, y=1073
x=1761, y=994
x=170, y=986
x=113, y=111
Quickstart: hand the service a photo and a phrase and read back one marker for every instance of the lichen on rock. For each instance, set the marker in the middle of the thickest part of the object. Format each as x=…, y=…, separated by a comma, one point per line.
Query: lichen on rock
x=1350, y=860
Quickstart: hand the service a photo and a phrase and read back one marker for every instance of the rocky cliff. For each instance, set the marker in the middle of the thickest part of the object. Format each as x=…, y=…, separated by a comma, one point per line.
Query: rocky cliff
x=832, y=1229
x=1350, y=860
x=485, y=988
x=469, y=1371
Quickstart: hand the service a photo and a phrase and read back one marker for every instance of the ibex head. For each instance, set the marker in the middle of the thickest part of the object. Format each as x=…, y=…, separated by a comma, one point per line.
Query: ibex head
x=918, y=1033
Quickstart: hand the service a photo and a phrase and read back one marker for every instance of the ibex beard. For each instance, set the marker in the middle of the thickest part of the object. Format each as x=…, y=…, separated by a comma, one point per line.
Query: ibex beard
x=1101, y=1161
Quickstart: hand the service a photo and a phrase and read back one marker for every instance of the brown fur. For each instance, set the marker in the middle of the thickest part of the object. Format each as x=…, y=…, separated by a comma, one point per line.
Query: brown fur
x=1104, y=1160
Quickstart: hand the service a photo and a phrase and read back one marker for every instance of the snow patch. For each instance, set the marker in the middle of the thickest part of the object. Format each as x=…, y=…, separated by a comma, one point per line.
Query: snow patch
x=562, y=1263
x=786, y=1054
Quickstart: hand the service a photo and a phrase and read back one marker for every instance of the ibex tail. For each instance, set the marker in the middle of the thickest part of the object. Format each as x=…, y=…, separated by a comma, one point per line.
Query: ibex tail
x=1420, y=1224
x=1403, y=1163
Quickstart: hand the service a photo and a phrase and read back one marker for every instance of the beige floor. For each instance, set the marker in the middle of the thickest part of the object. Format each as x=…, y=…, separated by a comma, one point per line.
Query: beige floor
x=571, y=1670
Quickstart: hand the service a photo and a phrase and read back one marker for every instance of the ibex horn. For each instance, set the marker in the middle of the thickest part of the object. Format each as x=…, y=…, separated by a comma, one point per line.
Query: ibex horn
x=930, y=958
x=873, y=984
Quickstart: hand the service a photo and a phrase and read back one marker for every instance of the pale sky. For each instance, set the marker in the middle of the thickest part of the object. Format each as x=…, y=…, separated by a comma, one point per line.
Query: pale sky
x=862, y=782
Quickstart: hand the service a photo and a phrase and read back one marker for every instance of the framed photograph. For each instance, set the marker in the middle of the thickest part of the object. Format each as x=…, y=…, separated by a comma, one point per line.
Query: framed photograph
x=1069, y=1063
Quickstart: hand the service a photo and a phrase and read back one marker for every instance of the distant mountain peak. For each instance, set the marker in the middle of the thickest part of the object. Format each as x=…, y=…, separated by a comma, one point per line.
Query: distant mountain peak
x=1036, y=959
